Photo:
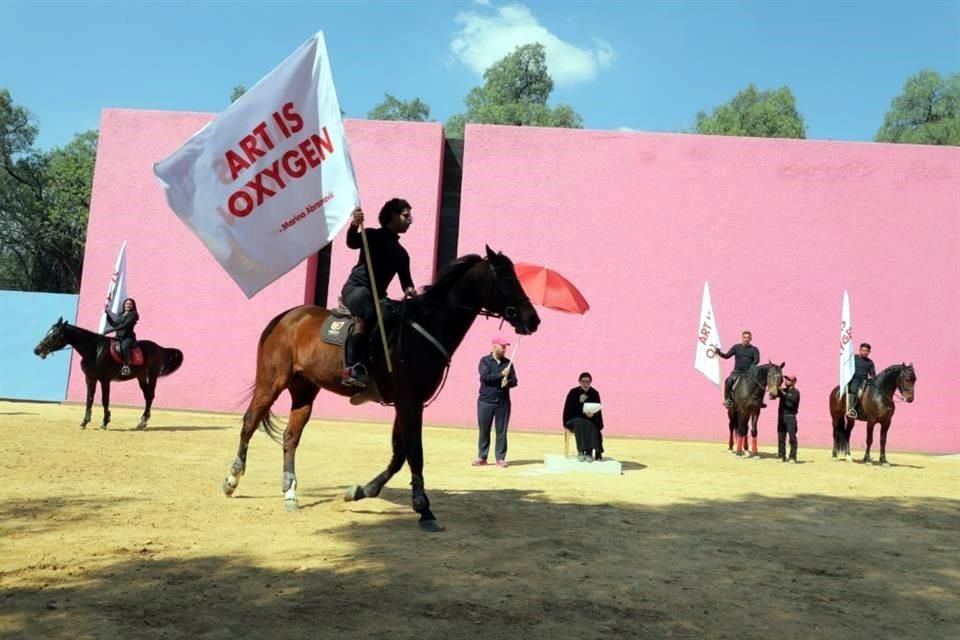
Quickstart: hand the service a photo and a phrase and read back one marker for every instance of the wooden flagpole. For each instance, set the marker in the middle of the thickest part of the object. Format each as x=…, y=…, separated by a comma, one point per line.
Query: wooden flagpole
x=376, y=298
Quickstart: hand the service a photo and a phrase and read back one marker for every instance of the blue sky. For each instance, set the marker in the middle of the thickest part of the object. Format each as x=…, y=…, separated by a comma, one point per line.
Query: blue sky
x=647, y=66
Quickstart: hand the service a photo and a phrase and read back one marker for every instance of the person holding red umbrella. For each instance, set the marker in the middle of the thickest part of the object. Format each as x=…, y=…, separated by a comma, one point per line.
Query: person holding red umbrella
x=497, y=377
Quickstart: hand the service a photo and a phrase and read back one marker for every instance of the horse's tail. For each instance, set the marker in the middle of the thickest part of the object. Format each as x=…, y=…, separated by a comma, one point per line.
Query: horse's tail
x=266, y=423
x=172, y=359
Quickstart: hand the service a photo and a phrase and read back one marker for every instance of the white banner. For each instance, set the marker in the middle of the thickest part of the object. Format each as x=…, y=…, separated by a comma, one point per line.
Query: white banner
x=116, y=290
x=270, y=181
x=708, y=338
x=846, y=345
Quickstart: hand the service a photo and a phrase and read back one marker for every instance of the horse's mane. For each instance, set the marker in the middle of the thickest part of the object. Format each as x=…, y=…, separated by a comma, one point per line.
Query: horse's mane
x=892, y=370
x=447, y=277
x=86, y=333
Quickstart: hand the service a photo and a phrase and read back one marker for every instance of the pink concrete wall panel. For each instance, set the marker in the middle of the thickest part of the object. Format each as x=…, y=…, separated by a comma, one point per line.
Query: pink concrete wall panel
x=186, y=299
x=779, y=228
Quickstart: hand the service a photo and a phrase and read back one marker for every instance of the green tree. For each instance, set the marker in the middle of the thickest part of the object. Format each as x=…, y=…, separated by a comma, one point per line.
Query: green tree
x=760, y=114
x=515, y=92
x=394, y=109
x=44, y=201
x=238, y=91
x=927, y=112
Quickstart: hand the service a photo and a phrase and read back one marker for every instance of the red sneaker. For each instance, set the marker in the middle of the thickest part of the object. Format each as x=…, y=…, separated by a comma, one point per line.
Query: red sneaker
x=479, y=462
x=502, y=464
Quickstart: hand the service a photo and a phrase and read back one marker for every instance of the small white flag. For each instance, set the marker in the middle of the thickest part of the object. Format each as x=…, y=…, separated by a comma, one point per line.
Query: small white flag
x=270, y=181
x=846, y=345
x=116, y=290
x=708, y=338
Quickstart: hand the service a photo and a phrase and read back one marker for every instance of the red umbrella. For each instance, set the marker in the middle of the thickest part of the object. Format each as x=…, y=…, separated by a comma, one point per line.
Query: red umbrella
x=549, y=289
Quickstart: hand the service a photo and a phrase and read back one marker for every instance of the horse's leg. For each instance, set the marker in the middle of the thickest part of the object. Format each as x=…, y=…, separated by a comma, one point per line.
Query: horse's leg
x=411, y=430
x=105, y=399
x=263, y=398
x=753, y=433
x=884, y=427
x=91, y=391
x=372, y=489
x=302, y=394
x=742, y=428
x=847, y=434
x=148, y=385
x=732, y=425
x=866, y=454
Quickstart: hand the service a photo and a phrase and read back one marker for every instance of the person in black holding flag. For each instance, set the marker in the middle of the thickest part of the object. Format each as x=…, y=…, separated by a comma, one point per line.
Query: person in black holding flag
x=123, y=327
x=389, y=259
x=746, y=356
x=863, y=370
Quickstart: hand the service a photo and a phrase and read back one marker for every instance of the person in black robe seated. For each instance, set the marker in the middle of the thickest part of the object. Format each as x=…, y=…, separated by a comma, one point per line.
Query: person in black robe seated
x=587, y=428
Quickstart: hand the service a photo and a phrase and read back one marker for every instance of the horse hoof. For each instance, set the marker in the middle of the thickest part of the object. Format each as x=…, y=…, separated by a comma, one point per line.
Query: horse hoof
x=353, y=493
x=848, y=458
x=229, y=488
x=141, y=425
x=103, y=427
x=83, y=426
x=431, y=526
x=868, y=462
x=291, y=505
x=884, y=463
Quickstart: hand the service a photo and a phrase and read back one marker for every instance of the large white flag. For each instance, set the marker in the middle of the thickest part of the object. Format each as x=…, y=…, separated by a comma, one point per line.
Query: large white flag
x=270, y=181
x=846, y=344
x=707, y=362
x=116, y=290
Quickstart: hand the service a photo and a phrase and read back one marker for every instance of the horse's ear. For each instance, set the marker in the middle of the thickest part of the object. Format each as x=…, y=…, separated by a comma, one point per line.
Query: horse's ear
x=60, y=320
x=490, y=254
x=783, y=364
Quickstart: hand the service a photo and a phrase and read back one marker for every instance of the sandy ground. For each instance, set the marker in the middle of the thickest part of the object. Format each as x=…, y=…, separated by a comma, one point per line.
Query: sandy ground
x=125, y=534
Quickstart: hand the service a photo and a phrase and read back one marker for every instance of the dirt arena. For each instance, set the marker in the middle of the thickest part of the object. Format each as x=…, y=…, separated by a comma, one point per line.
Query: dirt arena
x=125, y=534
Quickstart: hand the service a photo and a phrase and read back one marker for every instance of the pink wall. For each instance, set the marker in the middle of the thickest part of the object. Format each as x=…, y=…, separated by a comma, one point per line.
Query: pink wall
x=638, y=221
x=186, y=299
x=779, y=228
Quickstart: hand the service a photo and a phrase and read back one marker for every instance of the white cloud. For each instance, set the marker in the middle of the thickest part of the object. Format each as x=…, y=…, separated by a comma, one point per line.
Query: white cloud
x=625, y=129
x=486, y=37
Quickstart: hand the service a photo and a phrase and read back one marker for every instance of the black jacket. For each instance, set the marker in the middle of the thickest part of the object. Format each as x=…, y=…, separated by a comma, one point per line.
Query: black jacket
x=573, y=406
x=123, y=325
x=746, y=357
x=389, y=259
x=491, y=375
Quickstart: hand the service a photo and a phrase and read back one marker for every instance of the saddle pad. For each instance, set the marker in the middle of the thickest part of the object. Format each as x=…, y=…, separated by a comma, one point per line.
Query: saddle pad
x=136, y=357
x=335, y=329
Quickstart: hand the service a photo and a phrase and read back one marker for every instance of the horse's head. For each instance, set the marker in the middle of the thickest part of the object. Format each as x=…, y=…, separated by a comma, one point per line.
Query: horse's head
x=55, y=339
x=504, y=296
x=905, y=381
x=774, y=378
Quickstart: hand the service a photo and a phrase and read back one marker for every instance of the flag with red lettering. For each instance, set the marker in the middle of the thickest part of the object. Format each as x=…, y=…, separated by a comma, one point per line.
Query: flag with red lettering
x=269, y=182
x=846, y=345
x=708, y=340
x=116, y=290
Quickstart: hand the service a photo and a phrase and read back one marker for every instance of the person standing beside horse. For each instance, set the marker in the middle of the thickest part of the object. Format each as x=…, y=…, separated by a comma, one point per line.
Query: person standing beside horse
x=863, y=371
x=787, y=419
x=746, y=355
x=389, y=259
x=123, y=327
x=497, y=377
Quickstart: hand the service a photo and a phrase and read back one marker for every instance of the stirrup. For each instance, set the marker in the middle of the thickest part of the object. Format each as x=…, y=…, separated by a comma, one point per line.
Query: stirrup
x=125, y=370
x=356, y=376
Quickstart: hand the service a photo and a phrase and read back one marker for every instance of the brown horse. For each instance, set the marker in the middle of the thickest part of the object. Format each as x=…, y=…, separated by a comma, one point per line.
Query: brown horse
x=747, y=401
x=291, y=357
x=98, y=365
x=876, y=406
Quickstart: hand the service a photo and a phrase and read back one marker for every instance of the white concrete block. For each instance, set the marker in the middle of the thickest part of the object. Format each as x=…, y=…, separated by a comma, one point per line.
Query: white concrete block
x=559, y=463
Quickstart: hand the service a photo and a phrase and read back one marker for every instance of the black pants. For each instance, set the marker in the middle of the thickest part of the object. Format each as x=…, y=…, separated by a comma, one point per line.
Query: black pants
x=589, y=437
x=125, y=347
x=729, y=383
x=787, y=427
x=359, y=300
x=487, y=413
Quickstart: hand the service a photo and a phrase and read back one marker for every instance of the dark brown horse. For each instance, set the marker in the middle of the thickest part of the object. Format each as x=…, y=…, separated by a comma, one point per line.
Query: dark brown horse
x=876, y=406
x=747, y=401
x=291, y=357
x=98, y=365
